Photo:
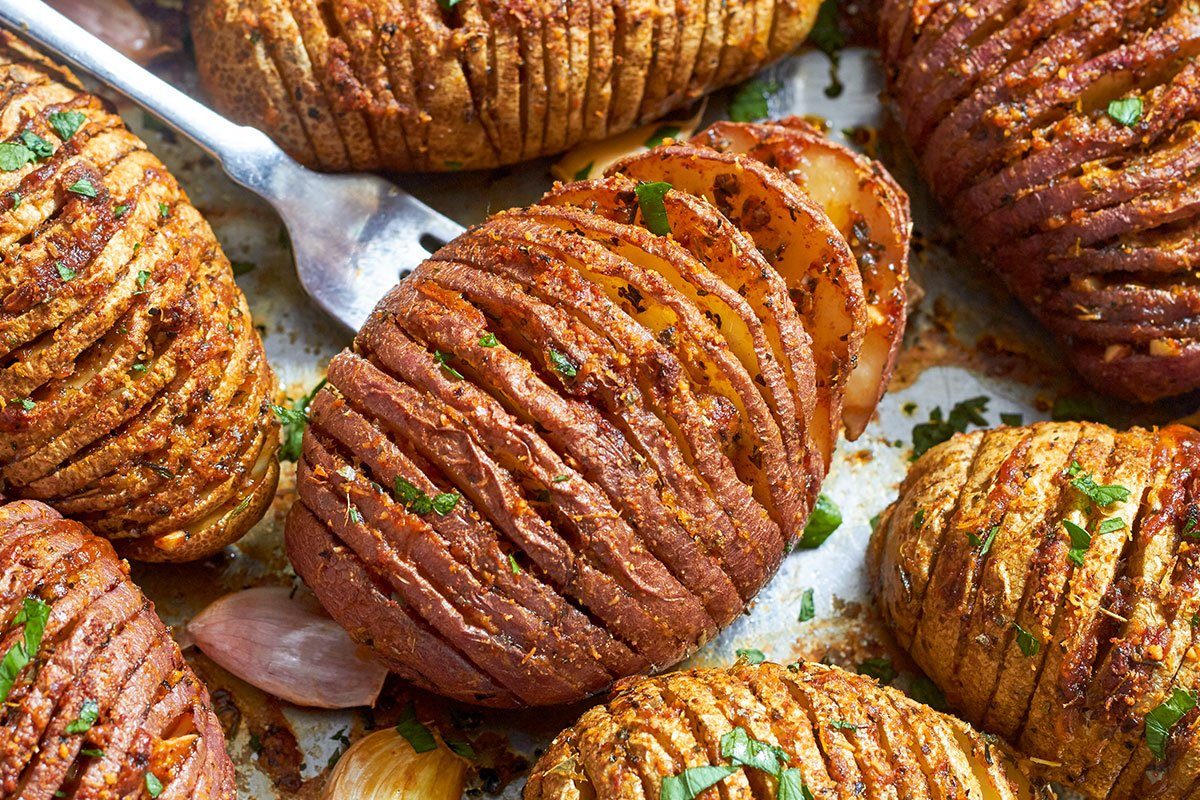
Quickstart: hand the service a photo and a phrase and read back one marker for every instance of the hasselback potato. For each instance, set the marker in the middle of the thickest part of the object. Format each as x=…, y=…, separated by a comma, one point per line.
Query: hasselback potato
x=574, y=443
x=765, y=732
x=1062, y=136
x=443, y=85
x=1045, y=577
x=98, y=701
x=133, y=386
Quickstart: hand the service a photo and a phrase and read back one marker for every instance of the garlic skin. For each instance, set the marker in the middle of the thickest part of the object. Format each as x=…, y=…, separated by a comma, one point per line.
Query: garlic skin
x=384, y=766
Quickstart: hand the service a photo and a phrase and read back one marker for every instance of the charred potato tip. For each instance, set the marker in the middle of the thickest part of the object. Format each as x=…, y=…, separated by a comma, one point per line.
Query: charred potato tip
x=1045, y=578
x=1063, y=138
x=420, y=85
x=574, y=443
x=101, y=703
x=810, y=731
x=135, y=389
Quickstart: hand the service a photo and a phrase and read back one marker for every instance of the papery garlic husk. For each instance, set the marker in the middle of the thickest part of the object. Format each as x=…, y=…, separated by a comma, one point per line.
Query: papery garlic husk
x=384, y=766
x=117, y=22
x=288, y=646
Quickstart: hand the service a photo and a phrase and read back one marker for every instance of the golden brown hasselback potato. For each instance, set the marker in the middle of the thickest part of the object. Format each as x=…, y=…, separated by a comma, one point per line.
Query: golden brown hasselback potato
x=765, y=732
x=573, y=444
x=444, y=85
x=1063, y=137
x=133, y=386
x=1045, y=578
x=98, y=701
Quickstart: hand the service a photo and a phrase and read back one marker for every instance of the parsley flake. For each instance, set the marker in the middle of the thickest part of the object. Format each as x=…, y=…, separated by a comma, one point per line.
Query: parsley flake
x=1166, y=716
x=82, y=187
x=443, y=361
x=826, y=518
x=1126, y=111
x=1026, y=641
x=750, y=655
x=416, y=734
x=808, y=608
x=661, y=134
x=65, y=272
x=751, y=101
x=1102, y=496
x=33, y=616
x=692, y=781
x=562, y=365
x=488, y=340
x=294, y=420
x=154, y=786
x=654, y=211
x=742, y=750
x=984, y=543
x=1081, y=540
x=89, y=712
x=67, y=123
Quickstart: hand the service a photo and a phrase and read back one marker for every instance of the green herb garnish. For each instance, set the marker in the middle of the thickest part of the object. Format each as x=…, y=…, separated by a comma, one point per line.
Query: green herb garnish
x=654, y=211
x=82, y=187
x=1162, y=719
x=750, y=655
x=751, y=101
x=414, y=732
x=808, y=608
x=89, y=712
x=826, y=517
x=1029, y=644
x=67, y=123
x=294, y=420
x=562, y=365
x=1127, y=111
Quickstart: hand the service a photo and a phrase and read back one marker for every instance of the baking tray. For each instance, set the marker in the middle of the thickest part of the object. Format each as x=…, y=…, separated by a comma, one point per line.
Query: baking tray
x=966, y=339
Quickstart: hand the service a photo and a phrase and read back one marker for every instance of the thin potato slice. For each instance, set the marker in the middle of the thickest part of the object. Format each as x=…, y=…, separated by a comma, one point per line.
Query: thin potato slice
x=870, y=210
x=782, y=345
x=808, y=251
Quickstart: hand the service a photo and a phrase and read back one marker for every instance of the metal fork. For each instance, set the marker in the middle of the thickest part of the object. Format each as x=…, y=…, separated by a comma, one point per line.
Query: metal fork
x=353, y=236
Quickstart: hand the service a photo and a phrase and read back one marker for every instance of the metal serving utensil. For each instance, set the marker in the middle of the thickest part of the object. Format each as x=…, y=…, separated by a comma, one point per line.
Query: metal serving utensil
x=353, y=236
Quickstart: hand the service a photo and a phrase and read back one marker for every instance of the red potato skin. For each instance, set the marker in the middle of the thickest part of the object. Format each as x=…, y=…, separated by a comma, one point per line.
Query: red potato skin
x=103, y=643
x=1007, y=107
x=570, y=448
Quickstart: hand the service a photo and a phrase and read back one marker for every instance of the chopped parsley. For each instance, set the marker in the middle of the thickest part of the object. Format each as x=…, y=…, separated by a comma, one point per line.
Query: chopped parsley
x=443, y=361
x=461, y=748
x=25, y=403
x=488, y=340
x=751, y=101
x=926, y=691
x=65, y=272
x=938, y=429
x=154, y=786
x=750, y=655
x=93, y=752
x=654, y=211
x=1012, y=420
x=40, y=148
x=791, y=786
x=67, y=123
x=660, y=135
x=82, y=187
x=984, y=543
x=1081, y=540
x=1112, y=525
x=1029, y=644
x=843, y=725
x=880, y=668
x=33, y=616
x=294, y=420
x=562, y=365
x=919, y=519
x=744, y=751
x=16, y=200
x=89, y=712
x=513, y=566
x=142, y=277
x=164, y=210
x=808, y=608
x=1101, y=496
x=826, y=517
x=419, y=503
x=692, y=781
x=1126, y=111
x=120, y=211
x=414, y=732
x=1166, y=716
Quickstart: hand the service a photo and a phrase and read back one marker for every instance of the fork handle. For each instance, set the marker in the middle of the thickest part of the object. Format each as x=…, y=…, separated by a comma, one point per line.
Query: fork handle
x=242, y=151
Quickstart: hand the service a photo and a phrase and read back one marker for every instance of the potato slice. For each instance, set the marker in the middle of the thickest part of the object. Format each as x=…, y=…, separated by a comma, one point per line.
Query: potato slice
x=796, y=237
x=633, y=54
x=871, y=211
x=782, y=360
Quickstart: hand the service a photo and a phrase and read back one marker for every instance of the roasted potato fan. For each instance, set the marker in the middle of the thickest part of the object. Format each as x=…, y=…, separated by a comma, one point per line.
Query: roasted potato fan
x=133, y=386
x=766, y=732
x=426, y=85
x=575, y=442
x=1062, y=136
x=99, y=701
x=1045, y=578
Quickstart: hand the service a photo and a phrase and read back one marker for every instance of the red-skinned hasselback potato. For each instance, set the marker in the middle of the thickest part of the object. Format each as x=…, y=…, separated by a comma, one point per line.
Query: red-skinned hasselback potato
x=1062, y=136
x=133, y=387
x=572, y=445
x=99, y=702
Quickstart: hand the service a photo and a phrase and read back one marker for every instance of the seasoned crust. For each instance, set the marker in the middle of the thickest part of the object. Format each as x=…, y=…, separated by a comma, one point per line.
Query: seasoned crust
x=845, y=735
x=409, y=85
x=1007, y=106
x=1063, y=651
x=571, y=447
x=102, y=646
x=136, y=389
